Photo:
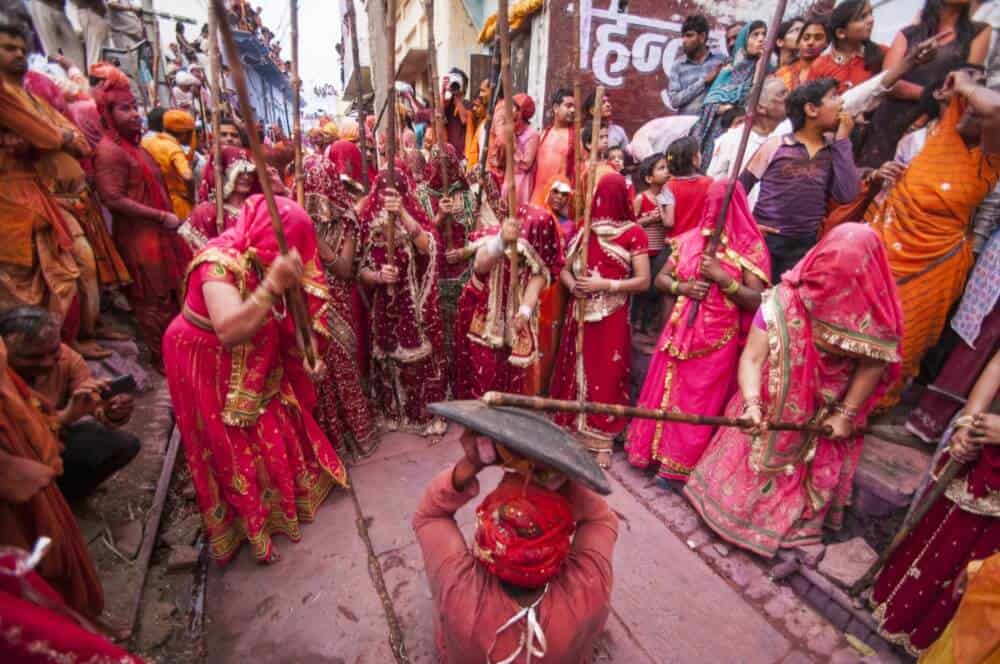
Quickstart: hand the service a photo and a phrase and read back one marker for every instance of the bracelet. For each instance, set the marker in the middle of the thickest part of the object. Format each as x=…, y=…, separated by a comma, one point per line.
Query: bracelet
x=614, y=285
x=525, y=310
x=674, y=287
x=963, y=421
x=751, y=402
x=732, y=288
x=263, y=297
x=270, y=288
x=846, y=411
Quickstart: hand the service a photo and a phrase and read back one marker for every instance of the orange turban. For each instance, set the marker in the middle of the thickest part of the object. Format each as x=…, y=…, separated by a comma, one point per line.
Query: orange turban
x=177, y=121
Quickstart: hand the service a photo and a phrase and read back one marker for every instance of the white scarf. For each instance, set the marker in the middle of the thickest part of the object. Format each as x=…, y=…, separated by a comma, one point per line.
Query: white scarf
x=533, y=634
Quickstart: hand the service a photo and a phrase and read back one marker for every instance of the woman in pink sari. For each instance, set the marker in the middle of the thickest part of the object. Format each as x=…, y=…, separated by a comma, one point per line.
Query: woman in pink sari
x=824, y=348
x=693, y=368
x=407, y=342
x=242, y=397
x=343, y=406
x=240, y=182
x=525, y=148
x=617, y=266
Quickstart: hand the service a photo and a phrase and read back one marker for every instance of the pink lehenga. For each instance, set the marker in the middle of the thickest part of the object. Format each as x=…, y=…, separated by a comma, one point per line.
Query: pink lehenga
x=601, y=372
x=694, y=367
x=780, y=489
x=342, y=406
x=407, y=341
x=261, y=466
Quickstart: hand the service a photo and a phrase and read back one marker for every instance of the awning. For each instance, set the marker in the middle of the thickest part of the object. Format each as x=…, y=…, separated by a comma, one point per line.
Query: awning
x=516, y=15
x=413, y=65
x=351, y=90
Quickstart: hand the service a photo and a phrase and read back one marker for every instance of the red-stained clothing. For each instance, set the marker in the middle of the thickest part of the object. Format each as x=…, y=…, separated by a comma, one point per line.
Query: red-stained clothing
x=347, y=156
x=848, y=74
x=471, y=603
x=690, y=194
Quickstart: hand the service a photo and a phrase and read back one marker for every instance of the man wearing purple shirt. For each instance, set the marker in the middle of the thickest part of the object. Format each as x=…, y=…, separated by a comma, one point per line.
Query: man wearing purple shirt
x=799, y=172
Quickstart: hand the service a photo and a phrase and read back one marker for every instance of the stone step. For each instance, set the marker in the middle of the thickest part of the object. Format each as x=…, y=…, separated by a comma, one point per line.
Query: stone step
x=887, y=477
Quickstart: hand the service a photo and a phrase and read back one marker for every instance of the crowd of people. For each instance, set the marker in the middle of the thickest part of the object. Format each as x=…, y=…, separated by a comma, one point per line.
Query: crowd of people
x=813, y=282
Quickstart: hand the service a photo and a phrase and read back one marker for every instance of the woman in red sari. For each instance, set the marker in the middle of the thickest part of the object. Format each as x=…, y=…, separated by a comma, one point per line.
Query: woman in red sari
x=243, y=401
x=343, y=406
x=240, y=182
x=693, y=367
x=496, y=345
x=407, y=342
x=617, y=266
x=456, y=217
x=823, y=348
x=914, y=595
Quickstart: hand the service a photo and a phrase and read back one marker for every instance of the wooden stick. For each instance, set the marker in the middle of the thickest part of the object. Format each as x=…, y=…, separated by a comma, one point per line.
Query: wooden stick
x=488, y=127
x=760, y=73
x=438, y=108
x=296, y=300
x=615, y=410
x=584, y=245
x=578, y=194
x=215, y=74
x=390, y=102
x=362, y=137
x=300, y=181
x=503, y=30
x=156, y=61
x=948, y=473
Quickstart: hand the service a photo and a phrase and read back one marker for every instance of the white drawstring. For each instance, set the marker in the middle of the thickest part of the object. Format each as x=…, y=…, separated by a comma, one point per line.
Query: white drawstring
x=532, y=633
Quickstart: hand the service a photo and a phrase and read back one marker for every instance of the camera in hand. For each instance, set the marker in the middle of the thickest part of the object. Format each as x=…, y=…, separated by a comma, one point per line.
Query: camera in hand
x=121, y=385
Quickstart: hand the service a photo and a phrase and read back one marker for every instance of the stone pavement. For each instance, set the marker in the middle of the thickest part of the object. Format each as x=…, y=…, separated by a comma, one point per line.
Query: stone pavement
x=679, y=595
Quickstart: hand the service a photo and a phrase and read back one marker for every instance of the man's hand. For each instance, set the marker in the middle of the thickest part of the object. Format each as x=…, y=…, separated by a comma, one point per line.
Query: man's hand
x=170, y=221
x=985, y=429
x=962, y=447
x=21, y=479
x=845, y=126
x=118, y=409
x=82, y=402
x=479, y=450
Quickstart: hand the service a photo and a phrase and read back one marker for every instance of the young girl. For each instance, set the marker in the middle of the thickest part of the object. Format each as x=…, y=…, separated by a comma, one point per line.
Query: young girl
x=854, y=57
x=655, y=218
x=687, y=185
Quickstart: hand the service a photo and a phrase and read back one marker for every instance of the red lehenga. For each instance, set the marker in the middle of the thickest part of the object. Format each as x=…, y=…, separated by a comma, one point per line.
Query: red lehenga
x=407, y=341
x=488, y=355
x=914, y=595
x=694, y=367
x=780, y=489
x=342, y=405
x=203, y=224
x=601, y=373
x=454, y=235
x=259, y=462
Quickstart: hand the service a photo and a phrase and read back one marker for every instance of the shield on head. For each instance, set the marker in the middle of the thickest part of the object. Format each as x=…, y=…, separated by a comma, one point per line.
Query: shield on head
x=530, y=435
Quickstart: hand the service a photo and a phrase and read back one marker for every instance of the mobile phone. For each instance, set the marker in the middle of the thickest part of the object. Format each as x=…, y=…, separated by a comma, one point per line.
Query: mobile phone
x=121, y=385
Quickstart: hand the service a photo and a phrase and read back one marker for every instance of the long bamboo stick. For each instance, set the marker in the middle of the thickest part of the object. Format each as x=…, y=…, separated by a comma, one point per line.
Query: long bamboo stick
x=300, y=183
x=578, y=195
x=352, y=23
x=488, y=127
x=438, y=109
x=503, y=30
x=615, y=410
x=390, y=103
x=948, y=473
x=760, y=73
x=296, y=300
x=215, y=73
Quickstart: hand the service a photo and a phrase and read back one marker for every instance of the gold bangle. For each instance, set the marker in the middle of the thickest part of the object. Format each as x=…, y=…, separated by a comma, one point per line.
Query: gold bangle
x=674, y=287
x=263, y=297
x=732, y=288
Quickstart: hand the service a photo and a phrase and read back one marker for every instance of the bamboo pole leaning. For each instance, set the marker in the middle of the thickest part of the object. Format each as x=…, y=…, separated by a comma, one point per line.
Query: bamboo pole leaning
x=296, y=300
x=215, y=74
x=503, y=30
x=390, y=103
x=437, y=105
x=352, y=23
x=300, y=191
x=578, y=196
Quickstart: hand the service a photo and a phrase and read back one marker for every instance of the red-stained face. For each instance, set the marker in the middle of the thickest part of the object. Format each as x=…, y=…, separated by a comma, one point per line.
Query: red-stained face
x=126, y=117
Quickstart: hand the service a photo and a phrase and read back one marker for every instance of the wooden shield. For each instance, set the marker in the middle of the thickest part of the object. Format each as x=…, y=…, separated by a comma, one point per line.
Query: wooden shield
x=529, y=434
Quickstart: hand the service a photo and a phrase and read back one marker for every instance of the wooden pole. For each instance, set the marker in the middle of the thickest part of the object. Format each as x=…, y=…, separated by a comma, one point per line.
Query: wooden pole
x=615, y=410
x=438, y=107
x=583, y=246
x=352, y=23
x=215, y=74
x=488, y=127
x=503, y=30
x=758, y=84
x=300, y=191
x=156, y=61
x=390, y=102
x=296, y=300
x=948, y=473
x=578, y=194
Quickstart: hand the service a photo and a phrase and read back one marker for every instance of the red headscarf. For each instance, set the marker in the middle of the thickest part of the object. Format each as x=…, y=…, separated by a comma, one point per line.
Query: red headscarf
x=108, y=73
x=406, y=188
x=326, y=196
x=523, y=532
x=456, y=174
x=611, y=199
x=234, y=161
x=525, y=106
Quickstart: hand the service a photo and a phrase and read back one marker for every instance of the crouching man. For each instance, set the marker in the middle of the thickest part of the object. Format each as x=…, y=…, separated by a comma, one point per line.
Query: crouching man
x=64, y=388
x=536, y=584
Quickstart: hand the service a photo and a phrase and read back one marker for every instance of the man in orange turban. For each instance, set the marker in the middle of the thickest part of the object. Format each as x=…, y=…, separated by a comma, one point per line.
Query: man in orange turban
x=167, y=149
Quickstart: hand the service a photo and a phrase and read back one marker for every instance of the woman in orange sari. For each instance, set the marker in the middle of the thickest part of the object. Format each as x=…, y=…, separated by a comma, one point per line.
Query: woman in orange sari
x=617, y=266
x=260, y=463
x=924, y=224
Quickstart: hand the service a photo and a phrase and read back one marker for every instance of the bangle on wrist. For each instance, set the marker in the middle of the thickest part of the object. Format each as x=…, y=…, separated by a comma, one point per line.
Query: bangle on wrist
x=845, y=410
x=525, y=310
x=675, y=287
x=614, y=285
x=750, y=402
x=732, y=288
x=271, y=289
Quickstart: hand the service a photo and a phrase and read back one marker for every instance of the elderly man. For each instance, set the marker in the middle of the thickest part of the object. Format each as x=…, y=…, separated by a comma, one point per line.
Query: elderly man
x=538, y=577
x=167, y=149
x=93, y=449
